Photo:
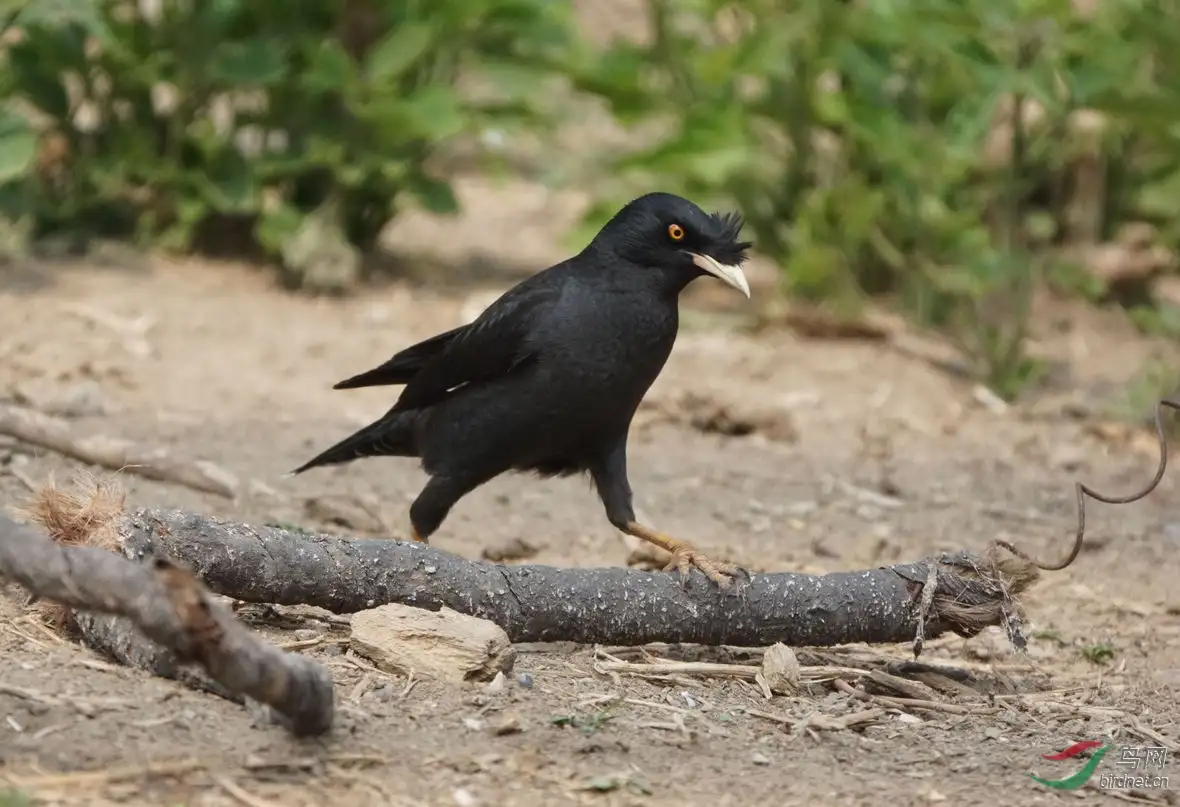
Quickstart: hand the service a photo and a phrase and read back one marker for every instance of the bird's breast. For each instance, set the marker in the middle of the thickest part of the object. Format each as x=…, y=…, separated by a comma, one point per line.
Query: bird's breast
x=611, y=351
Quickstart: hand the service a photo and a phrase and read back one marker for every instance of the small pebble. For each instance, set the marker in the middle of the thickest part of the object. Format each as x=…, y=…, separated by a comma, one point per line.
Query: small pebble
x=525, y=680
x=464, y=797
x=509, y=724
x=472, y=723
x=496, y=685
x=758, y=758
x=306, y=634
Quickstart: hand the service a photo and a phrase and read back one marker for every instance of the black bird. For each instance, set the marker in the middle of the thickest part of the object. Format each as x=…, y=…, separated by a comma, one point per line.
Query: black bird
x=548, y=378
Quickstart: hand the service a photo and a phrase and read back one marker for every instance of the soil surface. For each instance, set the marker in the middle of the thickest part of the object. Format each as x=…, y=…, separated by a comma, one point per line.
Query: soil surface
x=863, y=454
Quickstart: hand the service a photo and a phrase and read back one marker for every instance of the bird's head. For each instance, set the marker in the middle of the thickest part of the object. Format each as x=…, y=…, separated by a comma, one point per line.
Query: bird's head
x=671, y=235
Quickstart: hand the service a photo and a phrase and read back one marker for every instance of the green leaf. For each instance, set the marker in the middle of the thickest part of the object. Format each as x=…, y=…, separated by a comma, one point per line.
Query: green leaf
x=18, y=145
x=435, y=195
x=259, y=62
x=85, y=14
x=356, y=173
x=37, y=78
x=276, y=227
x=325, y=152
x=1159, y=199
x=190, y=212
x=393, y=171
x=331, y=69
x=228, y=185
x=432, y=113
x=435, y=113
x=398, y=50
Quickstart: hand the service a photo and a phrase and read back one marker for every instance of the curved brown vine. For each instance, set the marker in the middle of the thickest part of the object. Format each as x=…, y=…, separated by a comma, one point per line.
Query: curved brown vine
x=1084, y=490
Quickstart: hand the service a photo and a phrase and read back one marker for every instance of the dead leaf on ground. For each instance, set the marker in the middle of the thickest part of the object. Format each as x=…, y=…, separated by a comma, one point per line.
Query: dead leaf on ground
x=780, y=669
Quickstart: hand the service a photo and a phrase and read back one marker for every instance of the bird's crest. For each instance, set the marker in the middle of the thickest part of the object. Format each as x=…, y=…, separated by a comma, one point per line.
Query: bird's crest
x=730, y=227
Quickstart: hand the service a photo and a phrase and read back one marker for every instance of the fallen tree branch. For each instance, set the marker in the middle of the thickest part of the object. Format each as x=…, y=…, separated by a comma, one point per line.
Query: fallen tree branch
x=37, y=429
x=172, y=609
x=609, y=606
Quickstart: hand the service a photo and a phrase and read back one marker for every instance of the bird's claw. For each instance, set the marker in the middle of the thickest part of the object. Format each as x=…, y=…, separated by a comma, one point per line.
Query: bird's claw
x=685, y=558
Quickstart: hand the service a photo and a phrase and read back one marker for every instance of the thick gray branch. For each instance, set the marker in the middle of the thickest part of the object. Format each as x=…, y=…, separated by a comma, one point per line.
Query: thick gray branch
x=172, y=609
x=610, y=606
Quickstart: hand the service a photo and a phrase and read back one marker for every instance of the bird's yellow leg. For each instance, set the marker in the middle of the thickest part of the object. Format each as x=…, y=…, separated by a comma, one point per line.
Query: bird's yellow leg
x=684, y=556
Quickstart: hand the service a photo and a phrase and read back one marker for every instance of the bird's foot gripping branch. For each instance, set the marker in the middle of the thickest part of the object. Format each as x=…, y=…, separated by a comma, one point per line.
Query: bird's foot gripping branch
x=151, y=612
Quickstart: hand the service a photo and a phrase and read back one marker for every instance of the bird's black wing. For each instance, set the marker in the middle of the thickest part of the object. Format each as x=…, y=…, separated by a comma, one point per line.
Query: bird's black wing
x=404, y=365
x=490, y=347
x=495, y=344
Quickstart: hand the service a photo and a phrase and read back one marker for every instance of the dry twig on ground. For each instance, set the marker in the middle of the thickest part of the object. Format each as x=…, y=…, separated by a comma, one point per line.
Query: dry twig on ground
x=37, y=429
x=167, y=604
x=1082, y=490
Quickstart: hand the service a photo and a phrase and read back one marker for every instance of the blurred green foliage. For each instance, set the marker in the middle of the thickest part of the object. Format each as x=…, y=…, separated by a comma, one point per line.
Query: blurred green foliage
x=949, y=157
x=938, y=153
x=182, y=122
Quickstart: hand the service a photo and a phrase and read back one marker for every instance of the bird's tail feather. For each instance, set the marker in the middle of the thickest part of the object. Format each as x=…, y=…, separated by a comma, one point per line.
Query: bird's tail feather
x=391, y=436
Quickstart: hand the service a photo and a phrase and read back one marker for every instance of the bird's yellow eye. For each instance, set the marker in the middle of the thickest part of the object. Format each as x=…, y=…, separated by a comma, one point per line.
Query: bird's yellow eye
x=675, y=232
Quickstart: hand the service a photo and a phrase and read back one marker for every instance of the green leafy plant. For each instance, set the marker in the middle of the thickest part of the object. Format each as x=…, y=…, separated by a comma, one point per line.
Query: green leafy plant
x=1098, y=653
x=278, y=124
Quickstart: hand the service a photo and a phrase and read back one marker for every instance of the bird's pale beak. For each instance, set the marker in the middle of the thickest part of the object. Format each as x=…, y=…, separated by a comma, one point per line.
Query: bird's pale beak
x=728, y=274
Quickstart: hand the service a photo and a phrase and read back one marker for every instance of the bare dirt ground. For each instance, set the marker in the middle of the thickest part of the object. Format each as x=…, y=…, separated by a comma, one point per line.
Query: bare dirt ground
x=240, y=373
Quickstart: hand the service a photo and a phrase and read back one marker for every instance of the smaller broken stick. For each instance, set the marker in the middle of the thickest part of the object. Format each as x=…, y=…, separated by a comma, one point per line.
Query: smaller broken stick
x=42, y=431
x=86, y=517
x=171, y=608
x=1084, y=490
